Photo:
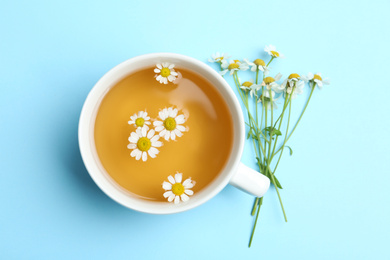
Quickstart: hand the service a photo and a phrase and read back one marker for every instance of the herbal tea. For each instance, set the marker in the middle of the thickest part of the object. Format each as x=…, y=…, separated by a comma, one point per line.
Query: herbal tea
x=163, y=136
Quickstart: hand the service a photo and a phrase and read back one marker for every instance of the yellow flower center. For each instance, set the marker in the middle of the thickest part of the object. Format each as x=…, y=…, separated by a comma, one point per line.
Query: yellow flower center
x=294, y=76
x=165, y=72
x=233, y=66
x=235, y=61
x=269, y=80
x=219, y=58
x=144, y=144
x=178, y=189
x=275, y=53
x=170, y=123
x=139, y=121
x=259, y=62
x=317, y=77
x=247, y=84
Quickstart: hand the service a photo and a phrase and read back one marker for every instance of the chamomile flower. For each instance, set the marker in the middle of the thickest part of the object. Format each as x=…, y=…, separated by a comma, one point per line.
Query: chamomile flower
x=292, y=85
x=143, y=143
x=271, y=50
x=250, y=87
x=316, y=78
x=257, y=64
x=175, y=190
x=219, y=57
x=271, y=82
x=165, y=72
x=140, y=120
x=267, y=99
x=232, y=65
x=170, y=124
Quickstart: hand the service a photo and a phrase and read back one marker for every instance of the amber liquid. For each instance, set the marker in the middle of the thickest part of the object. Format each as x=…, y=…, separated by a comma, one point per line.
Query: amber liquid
x=201, y=153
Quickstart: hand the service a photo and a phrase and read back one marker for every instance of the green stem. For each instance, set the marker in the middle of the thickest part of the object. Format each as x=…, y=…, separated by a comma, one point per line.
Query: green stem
x=285, y=138
x=257, y=216
x=255, y=206
x=300, y=117
x=286, y=101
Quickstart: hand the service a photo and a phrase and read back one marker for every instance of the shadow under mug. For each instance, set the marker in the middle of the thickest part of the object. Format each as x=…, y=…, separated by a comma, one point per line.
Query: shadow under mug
x=234, y=172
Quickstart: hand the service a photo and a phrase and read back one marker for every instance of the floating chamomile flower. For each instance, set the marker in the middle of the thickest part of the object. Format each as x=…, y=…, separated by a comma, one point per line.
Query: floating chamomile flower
x=270, y=82
x=219, y=57
x=271, y=50
x=233, y=65
x=316, y=78
x=292, y=85
x=170, y=125
x=144, y=143
x=257, y=64
x=267, y=99
x=140, y=120
x=175, y=190
x=249, y=86
x=165, y=72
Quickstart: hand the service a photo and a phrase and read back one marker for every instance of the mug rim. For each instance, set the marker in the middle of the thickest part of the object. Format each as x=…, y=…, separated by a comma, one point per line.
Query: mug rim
x=110, y=187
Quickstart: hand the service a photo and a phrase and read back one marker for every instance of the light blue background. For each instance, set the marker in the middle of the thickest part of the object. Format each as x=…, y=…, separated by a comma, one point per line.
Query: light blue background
x=336, y=184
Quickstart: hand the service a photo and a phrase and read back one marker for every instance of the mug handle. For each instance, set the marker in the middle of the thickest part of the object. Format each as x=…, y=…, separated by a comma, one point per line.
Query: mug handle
x=250, y=181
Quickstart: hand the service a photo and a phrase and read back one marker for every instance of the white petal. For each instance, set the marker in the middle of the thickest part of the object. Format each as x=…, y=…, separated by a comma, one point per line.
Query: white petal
x=157, y=123
x=157, y=71
x=174, y=113
x=326, y=81
x=155, y=138
x=150, y=134
x=162, y=114
x=166, y=186
x=134, y=153
x=131, y=122
x=171, y=66
x=177, y=200
x=178, y=177
x=184, y=197
x=165, y=64
x=164, y=80
x=223, y=72
x=131, y=146
x=144, y=156
x=153, y=151
x=188, y=184
x=178, y=133
x=138, y=132
x=167, y=193
x=180, y=128
x=171, y=78
x=138, y=155
x=173, y=135
x=278, y=77
x=174, y=73
x=157, y=144
x=159, y=66
x=171, y=197
x=180, y=119
x=143, y=132
x=189, y=192
x=171, y=179
x=163, y=132
x=133, y=138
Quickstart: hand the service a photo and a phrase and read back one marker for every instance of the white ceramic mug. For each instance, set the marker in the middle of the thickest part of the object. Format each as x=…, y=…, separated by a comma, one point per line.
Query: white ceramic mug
x=234, y=172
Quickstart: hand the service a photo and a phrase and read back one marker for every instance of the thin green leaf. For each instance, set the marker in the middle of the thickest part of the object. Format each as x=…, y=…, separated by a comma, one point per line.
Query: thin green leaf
x=291, y=151
x=277, y=183
x=272, y=131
